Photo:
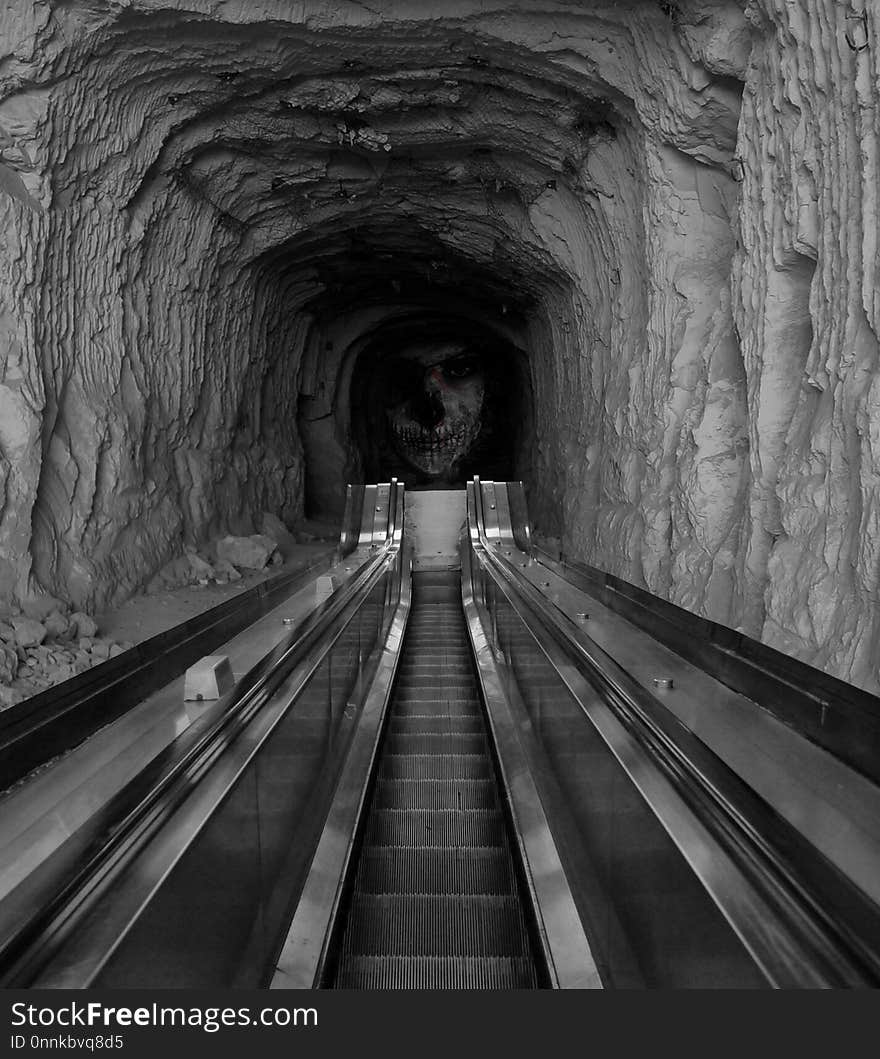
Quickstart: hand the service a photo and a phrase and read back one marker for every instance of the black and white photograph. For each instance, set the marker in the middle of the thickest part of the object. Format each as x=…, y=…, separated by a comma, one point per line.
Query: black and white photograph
x=439, y=511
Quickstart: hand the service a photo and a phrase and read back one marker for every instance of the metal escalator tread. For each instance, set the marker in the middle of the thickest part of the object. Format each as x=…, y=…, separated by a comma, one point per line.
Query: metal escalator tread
x=436, y=972
x=435, y=903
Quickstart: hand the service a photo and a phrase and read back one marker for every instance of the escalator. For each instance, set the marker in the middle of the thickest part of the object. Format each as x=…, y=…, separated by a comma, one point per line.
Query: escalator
x=439, y=781
x=435, y=901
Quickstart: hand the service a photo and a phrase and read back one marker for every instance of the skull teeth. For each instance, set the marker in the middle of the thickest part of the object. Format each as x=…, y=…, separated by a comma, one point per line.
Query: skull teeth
x=424, y=438
x=432, y=448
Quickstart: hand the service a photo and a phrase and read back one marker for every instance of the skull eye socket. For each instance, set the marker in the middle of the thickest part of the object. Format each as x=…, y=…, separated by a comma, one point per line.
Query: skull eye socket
x=460, y=367
x=404, y=380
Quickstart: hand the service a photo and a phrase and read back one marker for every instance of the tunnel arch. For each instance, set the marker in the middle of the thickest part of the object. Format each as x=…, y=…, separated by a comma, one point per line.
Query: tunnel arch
x=200, y=205
x=334, y=431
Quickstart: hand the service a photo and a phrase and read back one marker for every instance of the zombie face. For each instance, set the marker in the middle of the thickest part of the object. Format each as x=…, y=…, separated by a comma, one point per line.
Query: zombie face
x=436, y=405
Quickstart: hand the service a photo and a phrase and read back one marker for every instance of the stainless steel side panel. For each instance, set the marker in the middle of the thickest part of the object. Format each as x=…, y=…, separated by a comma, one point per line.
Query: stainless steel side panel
x=566, y=948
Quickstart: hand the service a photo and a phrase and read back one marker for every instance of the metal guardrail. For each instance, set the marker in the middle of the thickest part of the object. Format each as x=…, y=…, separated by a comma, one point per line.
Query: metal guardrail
x=60, y=718
x=802, y=921
x=560, y=938
x=77, y=920
x=839, y=717
x=304, y=955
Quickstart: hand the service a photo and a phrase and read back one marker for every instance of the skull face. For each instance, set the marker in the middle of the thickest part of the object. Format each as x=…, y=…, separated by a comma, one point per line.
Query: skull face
x=436, y=404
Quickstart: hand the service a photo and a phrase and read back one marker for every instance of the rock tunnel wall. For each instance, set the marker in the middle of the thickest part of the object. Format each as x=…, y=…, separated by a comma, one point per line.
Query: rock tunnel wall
x=808, y=309
x=667, y=209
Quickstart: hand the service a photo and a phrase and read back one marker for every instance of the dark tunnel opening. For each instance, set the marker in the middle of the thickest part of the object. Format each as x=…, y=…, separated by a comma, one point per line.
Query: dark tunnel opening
x=418, y=363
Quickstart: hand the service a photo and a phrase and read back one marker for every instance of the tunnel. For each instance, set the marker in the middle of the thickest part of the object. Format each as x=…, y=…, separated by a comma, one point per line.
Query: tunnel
x=254, y=253
x=439, y=494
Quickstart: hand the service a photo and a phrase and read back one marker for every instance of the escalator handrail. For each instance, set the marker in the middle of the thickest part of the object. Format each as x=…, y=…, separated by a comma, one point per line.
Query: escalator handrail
x=337, y=849
x=851, y=947
x=835, y=715
x=58, y=719
x=560, y=938
x=198, y=749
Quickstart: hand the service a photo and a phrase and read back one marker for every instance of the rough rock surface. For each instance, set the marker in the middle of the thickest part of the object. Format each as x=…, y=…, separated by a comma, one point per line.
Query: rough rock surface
x=35, y=655
x=271, y=526
x=670, y=210
x=248, y=553
x=28, y=632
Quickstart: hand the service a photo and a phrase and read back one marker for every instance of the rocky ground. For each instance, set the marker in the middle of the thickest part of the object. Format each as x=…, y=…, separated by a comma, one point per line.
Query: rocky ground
x=44, y=642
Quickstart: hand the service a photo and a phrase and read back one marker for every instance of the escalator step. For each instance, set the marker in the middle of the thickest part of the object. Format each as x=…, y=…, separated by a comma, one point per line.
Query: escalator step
x=463, y=681
x=446, y=828
x=428, y=670
x=439, y=681
x=435, y=694
x=434, y=707
x=439, y=690
x=435, y=743
x=454, y=635
x=436, y=972
x=434, y=900
x=403, y=870
x=435, y=794
x=436, y=925
x=437, y=724
x=428, y=643
x=435, y=766
x=437, y=620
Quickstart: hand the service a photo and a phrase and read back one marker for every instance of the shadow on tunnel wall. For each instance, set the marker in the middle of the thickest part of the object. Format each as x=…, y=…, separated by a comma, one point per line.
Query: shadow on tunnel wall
x=435, y=404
